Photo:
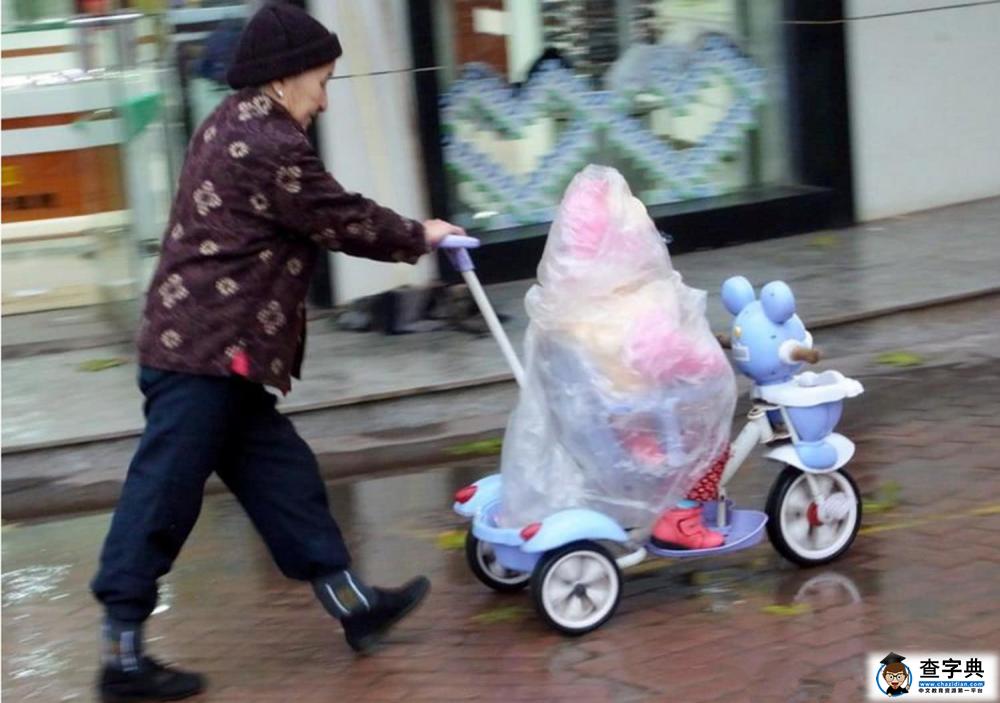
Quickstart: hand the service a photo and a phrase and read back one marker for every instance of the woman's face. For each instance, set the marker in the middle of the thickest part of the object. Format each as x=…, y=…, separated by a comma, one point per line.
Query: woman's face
x=305, y=94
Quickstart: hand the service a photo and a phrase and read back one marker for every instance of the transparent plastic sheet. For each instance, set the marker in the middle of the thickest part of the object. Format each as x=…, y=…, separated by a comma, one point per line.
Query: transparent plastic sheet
x=628, y=397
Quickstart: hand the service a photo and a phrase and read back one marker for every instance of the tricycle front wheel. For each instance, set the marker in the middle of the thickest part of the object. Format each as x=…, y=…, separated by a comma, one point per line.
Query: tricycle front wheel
x=812, y=529
x=483, y=563
x=576, y=588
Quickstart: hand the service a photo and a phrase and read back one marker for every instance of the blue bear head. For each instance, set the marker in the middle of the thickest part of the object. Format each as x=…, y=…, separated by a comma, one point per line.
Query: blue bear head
x=761, y=327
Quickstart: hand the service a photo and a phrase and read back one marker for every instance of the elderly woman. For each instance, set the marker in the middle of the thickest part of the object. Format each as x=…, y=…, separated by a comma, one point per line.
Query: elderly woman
x=225, y=317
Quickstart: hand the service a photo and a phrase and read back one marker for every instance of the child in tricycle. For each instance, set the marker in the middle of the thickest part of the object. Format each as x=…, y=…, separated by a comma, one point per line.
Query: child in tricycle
x=629, y=397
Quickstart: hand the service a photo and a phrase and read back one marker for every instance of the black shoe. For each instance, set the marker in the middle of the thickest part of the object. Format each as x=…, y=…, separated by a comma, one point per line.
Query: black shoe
x=364, y=630
x=151, y=682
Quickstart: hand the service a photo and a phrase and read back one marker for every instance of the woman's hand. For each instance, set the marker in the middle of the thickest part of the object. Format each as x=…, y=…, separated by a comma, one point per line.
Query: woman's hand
x=436, y=230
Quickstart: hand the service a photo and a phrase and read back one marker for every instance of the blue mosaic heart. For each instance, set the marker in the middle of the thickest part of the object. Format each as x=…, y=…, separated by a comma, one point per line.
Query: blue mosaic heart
x=674, y=76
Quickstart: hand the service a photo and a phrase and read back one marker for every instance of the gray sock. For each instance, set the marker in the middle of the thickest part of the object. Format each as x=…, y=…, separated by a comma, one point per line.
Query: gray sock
x=344, y=594
x=121, y=644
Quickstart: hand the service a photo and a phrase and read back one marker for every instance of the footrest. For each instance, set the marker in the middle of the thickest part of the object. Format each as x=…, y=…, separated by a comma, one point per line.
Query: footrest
x=745, y=529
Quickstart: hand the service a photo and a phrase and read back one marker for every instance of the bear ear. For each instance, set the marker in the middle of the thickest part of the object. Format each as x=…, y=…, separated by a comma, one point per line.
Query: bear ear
x=737, y=293
x=778, y=301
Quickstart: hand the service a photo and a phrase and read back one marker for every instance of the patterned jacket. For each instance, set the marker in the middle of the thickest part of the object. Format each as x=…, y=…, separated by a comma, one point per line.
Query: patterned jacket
x=254, y=210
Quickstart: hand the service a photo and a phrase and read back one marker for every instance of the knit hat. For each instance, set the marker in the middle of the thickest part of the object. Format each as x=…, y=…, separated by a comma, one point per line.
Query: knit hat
x=281, y=40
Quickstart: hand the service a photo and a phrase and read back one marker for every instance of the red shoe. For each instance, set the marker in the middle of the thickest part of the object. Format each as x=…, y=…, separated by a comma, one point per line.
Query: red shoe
x=682, y=528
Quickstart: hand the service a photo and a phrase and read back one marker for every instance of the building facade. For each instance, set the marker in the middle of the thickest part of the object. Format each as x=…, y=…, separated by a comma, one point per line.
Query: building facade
x=732, y=120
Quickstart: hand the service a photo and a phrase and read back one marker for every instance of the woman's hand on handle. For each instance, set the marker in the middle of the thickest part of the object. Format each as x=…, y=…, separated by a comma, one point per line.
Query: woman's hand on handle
x=436, y=230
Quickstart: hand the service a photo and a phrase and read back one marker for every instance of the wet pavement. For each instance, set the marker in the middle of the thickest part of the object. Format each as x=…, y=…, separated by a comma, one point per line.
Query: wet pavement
x=750, y=626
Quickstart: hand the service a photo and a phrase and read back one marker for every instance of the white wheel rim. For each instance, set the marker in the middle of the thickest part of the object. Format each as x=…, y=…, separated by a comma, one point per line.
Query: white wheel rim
x=488, y=562
x=580, y=589
x=825, y=581
x=812, y=542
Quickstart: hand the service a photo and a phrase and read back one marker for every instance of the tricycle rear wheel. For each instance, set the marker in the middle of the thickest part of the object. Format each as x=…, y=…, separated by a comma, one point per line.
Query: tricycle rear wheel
x=483, y=563
x=576, y=588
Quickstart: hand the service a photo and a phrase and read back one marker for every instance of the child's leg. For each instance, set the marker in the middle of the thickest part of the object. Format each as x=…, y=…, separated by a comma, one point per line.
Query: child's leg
x=707, y=487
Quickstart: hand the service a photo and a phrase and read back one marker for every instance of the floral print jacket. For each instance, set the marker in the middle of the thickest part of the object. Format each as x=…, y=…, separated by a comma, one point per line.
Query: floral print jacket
x=254, y=209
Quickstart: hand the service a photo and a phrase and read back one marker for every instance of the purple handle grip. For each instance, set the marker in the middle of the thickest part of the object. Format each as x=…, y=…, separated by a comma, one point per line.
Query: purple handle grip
x=457, y=248
x=458, y=241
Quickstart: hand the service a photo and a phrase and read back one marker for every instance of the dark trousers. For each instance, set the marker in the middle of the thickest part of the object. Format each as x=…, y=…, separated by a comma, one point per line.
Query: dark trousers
x=196, y=425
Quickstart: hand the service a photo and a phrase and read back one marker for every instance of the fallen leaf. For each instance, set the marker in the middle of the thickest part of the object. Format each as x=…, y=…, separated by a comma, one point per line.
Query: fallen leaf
x=901, y=359
x=507, y=613
x=886, y=498
x=100, y=364
x=825, y=241
x=871, y=507
x=787, y=610
x=451, y=540
x=486, y=447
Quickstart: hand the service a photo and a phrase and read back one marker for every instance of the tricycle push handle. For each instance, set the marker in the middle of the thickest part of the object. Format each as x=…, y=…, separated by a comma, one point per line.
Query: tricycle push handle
x=457, y=247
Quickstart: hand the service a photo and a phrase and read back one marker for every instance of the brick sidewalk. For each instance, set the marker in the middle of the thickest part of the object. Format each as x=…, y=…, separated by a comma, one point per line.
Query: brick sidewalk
x=922, y=575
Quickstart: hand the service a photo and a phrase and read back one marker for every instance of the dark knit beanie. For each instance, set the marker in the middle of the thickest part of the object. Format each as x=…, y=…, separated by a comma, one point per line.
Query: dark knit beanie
x=281, y=40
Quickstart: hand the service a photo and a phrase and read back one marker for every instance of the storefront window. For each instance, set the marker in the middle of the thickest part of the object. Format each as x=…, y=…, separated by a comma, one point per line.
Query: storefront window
x=684, y=97
x=98, y=99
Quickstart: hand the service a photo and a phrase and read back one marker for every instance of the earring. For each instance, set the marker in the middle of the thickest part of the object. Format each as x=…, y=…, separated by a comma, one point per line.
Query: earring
x=281, y=93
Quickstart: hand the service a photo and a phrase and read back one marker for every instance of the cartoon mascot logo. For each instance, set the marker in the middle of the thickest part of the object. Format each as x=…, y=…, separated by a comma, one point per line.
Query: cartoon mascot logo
x=895, y=674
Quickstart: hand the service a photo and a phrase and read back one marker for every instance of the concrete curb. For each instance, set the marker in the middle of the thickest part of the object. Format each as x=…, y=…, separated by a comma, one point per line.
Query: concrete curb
x=340, y=458
x=951, y=299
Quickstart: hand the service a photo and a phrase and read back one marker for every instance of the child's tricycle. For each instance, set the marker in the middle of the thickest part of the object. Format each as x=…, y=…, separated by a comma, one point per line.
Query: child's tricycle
x=573, y=558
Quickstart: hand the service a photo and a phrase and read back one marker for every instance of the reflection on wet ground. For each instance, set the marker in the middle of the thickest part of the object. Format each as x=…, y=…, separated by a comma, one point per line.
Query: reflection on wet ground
x=922, y=574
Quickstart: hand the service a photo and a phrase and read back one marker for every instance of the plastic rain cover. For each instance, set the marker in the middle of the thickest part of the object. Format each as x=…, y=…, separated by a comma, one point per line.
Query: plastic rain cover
x=628, y=396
